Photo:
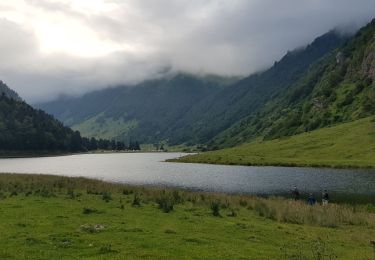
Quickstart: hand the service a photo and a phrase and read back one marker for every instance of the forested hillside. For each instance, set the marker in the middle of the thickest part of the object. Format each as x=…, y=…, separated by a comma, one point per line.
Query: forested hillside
x=144, y=112
x=24, y=129
x=337, y=89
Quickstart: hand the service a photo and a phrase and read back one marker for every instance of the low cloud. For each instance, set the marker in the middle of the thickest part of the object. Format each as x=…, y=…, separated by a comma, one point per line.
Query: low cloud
x=70, y=47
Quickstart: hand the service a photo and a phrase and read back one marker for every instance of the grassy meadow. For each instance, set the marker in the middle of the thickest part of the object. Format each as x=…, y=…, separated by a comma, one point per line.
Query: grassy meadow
x=52, y=217
x=346, y=145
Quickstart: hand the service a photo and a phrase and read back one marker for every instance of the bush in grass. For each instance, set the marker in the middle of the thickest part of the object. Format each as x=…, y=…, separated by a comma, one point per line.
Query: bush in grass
x=89, y=211
x=105, y=249
x=215, y=208
x=136, y=201
x=264, y=210
x=225, y=205
x=106, y=196
x=92, y=228
x=70, y=194
x=372, y=243
x=232, y=213
x=170, y=231
x=127, y=192
x=3, y=195
x=177, y=197
x=47, y=193
x=166, y=203
x=243, y=203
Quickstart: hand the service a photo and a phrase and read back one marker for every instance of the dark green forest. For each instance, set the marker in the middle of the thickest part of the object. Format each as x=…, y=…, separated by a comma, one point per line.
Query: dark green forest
x=25, y=129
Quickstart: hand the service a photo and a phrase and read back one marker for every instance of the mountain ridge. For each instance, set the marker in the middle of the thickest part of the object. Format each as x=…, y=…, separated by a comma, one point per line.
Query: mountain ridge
x=337, y=89
x=8, y=92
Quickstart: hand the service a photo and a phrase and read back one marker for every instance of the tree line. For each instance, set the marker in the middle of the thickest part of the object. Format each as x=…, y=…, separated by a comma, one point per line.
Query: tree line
x=104, y=144
x=23, y=128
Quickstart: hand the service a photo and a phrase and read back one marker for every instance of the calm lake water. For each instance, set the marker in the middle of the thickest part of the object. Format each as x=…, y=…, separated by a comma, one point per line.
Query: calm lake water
x=150, y=169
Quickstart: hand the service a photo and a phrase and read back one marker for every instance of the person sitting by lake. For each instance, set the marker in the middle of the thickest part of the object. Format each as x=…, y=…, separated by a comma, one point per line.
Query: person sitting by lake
x=311, y=200
x=325, y=198
x=295, y=193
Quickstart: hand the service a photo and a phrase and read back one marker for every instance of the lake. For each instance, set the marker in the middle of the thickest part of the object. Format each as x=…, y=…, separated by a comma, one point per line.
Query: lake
x=150, y=169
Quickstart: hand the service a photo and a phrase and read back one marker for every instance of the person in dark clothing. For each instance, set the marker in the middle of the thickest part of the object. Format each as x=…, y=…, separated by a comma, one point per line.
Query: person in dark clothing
x=295, y=193
x=311, y=200
x=325, y=198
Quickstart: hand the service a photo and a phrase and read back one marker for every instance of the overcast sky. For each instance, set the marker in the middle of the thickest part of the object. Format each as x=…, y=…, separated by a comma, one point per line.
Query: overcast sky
x=53, y=47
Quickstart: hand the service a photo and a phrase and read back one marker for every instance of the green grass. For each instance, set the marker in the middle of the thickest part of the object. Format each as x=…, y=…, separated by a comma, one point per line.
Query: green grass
x=51, y=217
x=345, y=145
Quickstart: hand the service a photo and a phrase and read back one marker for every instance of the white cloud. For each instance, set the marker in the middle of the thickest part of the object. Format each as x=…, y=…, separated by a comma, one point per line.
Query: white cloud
x=50, y=47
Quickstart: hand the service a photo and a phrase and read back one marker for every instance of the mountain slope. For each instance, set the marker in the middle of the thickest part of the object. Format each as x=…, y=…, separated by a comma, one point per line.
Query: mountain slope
x=337, y=89
x=291, y=129
x=345, y=145
x=218, y=112
x=143, y=112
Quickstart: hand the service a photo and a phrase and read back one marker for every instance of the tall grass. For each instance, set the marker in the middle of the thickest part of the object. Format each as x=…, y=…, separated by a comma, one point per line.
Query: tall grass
x=331, y=215
x=275, y=208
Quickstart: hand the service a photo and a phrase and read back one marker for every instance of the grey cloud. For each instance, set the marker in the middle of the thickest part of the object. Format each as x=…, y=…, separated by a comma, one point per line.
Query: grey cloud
x=228, y=37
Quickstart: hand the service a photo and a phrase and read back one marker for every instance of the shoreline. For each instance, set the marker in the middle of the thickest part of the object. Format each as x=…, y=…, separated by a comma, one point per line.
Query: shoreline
x=276, y=164
x=184, y=160
x=36, y=155
x=339, y=197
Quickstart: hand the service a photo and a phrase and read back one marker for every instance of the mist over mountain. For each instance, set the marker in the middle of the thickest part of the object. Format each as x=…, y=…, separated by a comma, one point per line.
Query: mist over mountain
x=73, y=47
x=185, y=108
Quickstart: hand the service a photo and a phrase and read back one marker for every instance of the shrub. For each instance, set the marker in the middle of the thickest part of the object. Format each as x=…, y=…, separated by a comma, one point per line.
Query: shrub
x=44, y=192
x=166, y=203
x=107, y=249
x=177, y=197
x=127, y=192
x=243, y=203
x=215, y=207
x=92, y=228
x=225, y=205
x=89, y=211
x=232, y=213
x=170, y=231
x=106, y=196
x=70, y=194
x=136, y=201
